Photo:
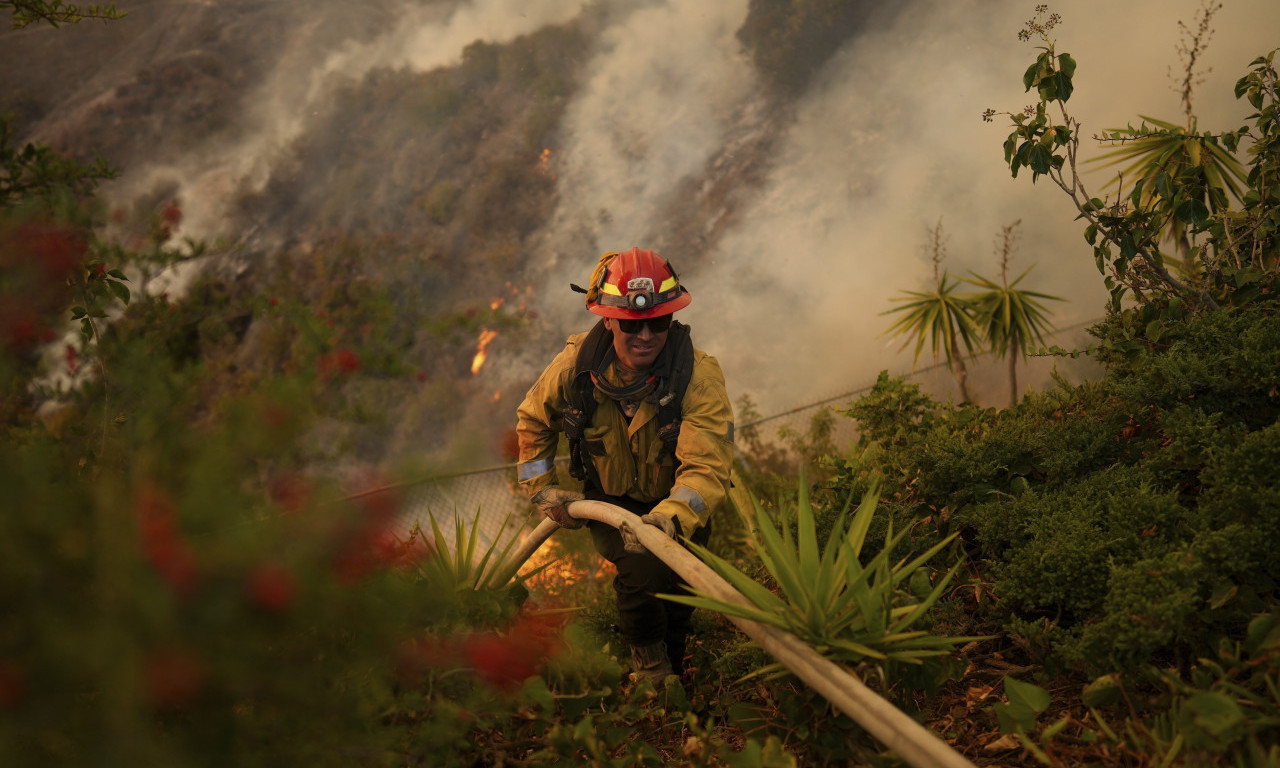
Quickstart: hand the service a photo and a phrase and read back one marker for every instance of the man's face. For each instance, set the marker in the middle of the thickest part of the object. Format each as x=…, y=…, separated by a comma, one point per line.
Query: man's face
x=638, y=350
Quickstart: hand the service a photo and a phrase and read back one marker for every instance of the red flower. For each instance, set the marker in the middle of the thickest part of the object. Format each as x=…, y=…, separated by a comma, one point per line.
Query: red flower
x=172, y=213
x=370, y=541
x=380, y=505
x=403, y=553
x=504, y=661
x=493, y=659
x=17, y=332
x=272, y=587
x=13, y=685
x=40, y=260
x=57, y=249
x=290, y=491
x=162, y=545
x=347, y=361
x=173, y=677
x=72, y=358
x=414, y=656
x=351, y=565
x=342, y=361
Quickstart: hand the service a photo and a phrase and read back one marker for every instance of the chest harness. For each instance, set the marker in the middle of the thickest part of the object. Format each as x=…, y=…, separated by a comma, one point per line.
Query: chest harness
x=664, y=387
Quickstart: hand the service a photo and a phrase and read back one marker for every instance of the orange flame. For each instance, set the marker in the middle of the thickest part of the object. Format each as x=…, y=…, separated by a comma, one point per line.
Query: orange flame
x=486, y=336
x=544, y=164
x=557, y=571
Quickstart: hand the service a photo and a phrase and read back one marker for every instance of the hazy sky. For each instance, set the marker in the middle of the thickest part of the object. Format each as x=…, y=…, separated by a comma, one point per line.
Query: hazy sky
x=889, y=142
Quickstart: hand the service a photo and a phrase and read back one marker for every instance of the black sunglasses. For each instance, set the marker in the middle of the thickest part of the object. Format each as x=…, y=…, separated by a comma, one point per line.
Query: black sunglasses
x=656, y=324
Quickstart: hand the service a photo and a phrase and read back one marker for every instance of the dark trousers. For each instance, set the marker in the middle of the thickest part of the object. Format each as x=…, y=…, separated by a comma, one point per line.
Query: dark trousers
x=643, y=618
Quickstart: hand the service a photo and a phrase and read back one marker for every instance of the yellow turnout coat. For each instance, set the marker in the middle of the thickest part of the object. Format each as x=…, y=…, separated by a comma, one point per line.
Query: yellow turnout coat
x=629, y=457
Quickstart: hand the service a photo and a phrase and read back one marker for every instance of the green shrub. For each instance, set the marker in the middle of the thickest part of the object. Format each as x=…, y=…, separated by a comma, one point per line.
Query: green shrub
x=1123, y=522
x=1223, y=363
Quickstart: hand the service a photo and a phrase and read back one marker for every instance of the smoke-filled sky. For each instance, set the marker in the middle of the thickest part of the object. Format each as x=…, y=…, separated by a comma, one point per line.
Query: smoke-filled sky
x=889, y=142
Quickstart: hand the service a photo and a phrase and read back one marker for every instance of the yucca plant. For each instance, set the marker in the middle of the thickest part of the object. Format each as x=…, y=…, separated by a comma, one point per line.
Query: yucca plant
x=465, y=565
x=941, y=316
x=1183, y=174
x=1010, y=317
x=852, y=612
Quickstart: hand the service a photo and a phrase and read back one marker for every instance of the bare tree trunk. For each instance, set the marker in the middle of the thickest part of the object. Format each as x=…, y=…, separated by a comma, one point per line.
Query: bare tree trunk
x=960, y=372
x=1013, y=368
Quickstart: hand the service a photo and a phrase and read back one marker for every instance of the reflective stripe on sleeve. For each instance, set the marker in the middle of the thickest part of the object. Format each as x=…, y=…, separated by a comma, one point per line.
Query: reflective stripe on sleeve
x=690, y=497
x=531, y=469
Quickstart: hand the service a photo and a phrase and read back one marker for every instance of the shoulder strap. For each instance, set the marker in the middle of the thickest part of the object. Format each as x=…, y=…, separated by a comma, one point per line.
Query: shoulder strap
x=680, y=370
x=592, y=354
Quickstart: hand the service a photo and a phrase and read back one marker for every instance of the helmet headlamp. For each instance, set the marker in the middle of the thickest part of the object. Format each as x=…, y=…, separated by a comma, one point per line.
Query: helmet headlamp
x=640, y=294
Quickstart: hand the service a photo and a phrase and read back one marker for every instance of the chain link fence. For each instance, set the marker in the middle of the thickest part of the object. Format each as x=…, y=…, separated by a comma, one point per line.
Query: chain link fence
x=490, y=500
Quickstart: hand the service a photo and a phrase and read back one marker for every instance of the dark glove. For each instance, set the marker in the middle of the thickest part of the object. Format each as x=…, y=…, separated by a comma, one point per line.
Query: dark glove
x=664, y=523
x=554, y=503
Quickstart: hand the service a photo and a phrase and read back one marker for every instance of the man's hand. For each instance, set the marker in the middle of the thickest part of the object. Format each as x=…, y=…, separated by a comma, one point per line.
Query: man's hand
x=631, y=542
x=554, y=503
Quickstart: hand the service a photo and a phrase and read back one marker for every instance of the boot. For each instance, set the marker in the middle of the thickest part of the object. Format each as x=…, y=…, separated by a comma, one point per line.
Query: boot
x=675, y=653
x=651, y=661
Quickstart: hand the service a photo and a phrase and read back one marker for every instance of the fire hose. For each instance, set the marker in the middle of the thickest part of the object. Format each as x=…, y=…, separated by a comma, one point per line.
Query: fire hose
x=892, y=727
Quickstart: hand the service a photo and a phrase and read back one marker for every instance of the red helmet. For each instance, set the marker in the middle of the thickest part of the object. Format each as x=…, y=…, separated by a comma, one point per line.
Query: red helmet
x=636, y=284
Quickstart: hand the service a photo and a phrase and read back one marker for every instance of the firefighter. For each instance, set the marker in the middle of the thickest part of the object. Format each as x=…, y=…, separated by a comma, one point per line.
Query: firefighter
x=650, y=429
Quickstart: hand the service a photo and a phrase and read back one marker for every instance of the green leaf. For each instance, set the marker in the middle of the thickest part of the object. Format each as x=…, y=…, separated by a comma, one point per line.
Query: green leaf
x=780, y=562
x=1216, y=713
x=1029, y=695
x=755, y=593
x=120, y=290
x=1054, y=729
x=859, y=649
x=1032, y=75
x=1263, y=633
x=1192, y=211
x=1039, y=160
x=1103, y=691
x=808, y=536
x=1014, y=718
x=1067, y=66
x=1222, y=594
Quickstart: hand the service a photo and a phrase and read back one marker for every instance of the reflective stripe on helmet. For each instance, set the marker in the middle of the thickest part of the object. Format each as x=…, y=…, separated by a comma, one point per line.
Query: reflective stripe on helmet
x=621, y=301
